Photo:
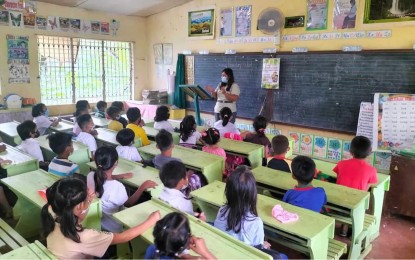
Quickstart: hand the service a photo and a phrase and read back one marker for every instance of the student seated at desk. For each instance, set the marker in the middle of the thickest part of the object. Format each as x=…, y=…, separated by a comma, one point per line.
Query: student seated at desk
x=120, y=106
x=239, y=216
x=113, y=114
x=28, y=132
x=112, y=192
x=188, y=133
x=126, y=149
x=280, y=147
x=173, y=238
x=259, y=137
x=356, y=173
x=224, y=125
x=304, y=195
x=161, y=119
x=134, y=118
x=211, y=138
x=79, y=112
x=87, y=126
x=67, y=205
x=61, y=144
x=40, y=115
x=101, y=107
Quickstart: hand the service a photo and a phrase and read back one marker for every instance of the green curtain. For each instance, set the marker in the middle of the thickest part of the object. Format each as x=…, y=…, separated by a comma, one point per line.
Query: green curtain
x=179, y=97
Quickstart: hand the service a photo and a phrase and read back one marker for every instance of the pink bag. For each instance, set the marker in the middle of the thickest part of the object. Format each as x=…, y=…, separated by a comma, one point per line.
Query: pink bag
x=282, y=215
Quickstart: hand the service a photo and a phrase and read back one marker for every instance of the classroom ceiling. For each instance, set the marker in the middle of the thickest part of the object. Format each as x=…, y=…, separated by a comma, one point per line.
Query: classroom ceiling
x=141, y=8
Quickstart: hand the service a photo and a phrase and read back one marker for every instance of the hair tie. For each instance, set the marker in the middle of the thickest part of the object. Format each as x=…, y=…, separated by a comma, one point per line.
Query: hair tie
x=216, y=132
x=261, y=130
x=225, y=116
x=204, y=133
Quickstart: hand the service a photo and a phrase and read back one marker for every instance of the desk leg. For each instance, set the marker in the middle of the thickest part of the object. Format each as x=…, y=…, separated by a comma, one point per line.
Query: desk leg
x=139, y=246
x=358, y=218
x=255, y=159
x=319, y=246
x=378, y=194
x=29, y=223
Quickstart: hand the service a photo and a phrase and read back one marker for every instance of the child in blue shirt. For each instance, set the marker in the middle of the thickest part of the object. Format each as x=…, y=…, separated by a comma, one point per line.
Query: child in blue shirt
x=304, y=195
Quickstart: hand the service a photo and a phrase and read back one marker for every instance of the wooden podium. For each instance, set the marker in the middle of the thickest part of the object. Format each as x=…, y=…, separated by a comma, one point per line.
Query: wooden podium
x=196, y=92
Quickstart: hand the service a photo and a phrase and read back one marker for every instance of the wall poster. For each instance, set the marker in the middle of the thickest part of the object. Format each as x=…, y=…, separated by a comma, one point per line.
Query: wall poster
x=344, y=14
x=316, y=14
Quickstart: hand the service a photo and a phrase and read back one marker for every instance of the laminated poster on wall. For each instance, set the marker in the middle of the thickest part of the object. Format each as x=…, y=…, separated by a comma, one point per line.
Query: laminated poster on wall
x=95, y=27
x=320, y=146
x=17, y=49
x=383, y=161
x=316, y=14
x=75, y=25
x=53, y=23
x=306, y=144
x=41, y=22
x=270, y=73
x=64, y=24
x=243, y=20
x=16, y=19
x=225, y=22
x=4, y=18
x=334, y=151
x=296, y=137
x=365, y=121
x=105, y=28
x=18, y=73
x=346, y=150
x=86, y=26
x=29, y=21
x=344, y=16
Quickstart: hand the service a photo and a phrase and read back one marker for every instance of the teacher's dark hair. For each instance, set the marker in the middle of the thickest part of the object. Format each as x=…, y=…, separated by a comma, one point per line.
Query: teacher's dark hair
x=231, y=78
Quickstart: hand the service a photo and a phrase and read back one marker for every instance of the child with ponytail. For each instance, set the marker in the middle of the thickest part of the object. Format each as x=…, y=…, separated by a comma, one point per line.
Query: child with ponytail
x=224, y=125
x=259, y=137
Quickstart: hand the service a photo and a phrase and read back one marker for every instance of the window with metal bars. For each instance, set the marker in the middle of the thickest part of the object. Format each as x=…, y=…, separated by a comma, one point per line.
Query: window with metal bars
x=71, y=69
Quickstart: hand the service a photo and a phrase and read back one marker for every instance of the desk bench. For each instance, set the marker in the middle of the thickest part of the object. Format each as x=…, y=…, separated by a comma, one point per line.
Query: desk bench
x=8, y=133
x=9, y=238
x=34, y=250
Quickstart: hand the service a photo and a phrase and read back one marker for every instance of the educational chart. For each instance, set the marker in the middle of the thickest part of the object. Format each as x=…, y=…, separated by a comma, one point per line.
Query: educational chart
x=296, y=137
x=335, y=149
x=365, y=122
x=393, y=121
x=306, y=144
x=316, y=14
x=18, y=59
x=243, y=20
x=346, y=150
x=320, y=146
x=270, y=73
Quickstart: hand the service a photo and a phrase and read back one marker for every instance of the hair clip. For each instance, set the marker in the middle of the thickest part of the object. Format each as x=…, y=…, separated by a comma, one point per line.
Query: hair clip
x=216, y=132
x=204, y=133
x=261, y=130
x=164, y=228
x=225, y=116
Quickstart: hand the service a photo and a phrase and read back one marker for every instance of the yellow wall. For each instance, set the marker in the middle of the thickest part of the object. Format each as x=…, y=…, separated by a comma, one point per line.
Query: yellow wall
x=131, y=29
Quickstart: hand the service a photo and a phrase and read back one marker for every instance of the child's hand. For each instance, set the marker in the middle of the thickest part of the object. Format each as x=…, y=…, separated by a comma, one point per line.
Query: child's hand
x=94, y=132
x=148, y=185
x=266, y=245
x=154, y=217
x=197, y=244
x=126, y=175
x=201, y=216
x=142, y=123
x=3, y=148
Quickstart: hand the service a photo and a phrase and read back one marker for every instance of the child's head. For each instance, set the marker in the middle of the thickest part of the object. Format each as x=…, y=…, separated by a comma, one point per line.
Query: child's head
x=106, y=158
x=211, y=136
x=280, y=144
x=68, y=199
x=171, y=235
x=164, y=140
x=260, y=124
x=303, y=169
x=162, y=114
x=241, y=196
x=360, y=147
x=80, y=112
x=118, y=104
x=82, y=105
x=38, y=110
x=173, y=175
x=225, y=114
x=61, y=144
x=134, y=115
x=113, y=112
x=27, y=130
x=125, y=137
x=101, y=106
x=85, y=122
x=187, y=127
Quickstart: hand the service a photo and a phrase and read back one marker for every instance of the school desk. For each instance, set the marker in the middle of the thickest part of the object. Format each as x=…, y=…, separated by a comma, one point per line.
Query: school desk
x=211, y=166
x=64, y=126
x=140, y=174
x=312, y=231
x=350, y=202
x=152, y=132
x=219, y=243
x=107, y=137
x=30, y=203
x=8, y=133
x=21, y=162
x=98, y=121
x=80, y=155
x=34, y=250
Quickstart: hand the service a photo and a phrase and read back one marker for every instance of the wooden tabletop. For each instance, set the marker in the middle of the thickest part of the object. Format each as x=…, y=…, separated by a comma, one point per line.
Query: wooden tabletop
x=15, y=155
x=35, y=250
x=9, y=128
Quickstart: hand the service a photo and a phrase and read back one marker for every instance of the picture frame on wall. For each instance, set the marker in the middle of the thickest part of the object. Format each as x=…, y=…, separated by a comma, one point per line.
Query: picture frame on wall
x=316, y=15
x=294, y=21
x=243, y=17
x=158, y=53
x=380, y=11
x=167, y=53
x=201, y=23
x=225, y=22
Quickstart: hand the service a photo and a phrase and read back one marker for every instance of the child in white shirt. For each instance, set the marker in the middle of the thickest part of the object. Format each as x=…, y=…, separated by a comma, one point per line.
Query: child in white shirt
x=161, y=119
x=188, y=133
x=87, y=125
x=126, y=149
x=224, y=126
x=40, y=115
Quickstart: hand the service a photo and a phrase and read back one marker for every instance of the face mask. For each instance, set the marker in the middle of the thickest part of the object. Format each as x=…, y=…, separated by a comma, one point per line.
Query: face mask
x=46, y=113
x=224, y=79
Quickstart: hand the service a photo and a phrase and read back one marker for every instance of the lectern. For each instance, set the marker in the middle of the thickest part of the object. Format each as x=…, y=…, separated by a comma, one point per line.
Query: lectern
x=196, y=92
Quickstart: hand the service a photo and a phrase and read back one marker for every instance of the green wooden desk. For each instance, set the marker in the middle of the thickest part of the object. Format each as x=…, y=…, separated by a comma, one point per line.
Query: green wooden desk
x=80, y=155
x=64, y=126
x=212, y=166
x=21, y=162
x=8, y=133
x=107, y=137
x=220, y=244
x=35, y=250
x=311, y=232
x=30, y=203
x=339, y=198
x=140, y=174
x=152, y=132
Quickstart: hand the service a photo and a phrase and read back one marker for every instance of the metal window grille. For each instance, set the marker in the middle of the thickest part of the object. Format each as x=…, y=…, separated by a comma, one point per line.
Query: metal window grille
x=73, y=68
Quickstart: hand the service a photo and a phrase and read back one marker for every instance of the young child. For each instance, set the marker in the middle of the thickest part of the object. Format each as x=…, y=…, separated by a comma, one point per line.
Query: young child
x=259, y=137
x=87, y=125
x=28, y=132
x=40, y=115
x=211, y=138
x=67, y=205
x=101, y=107
x=126, y=148
x=304, y=195
x=112, y=192
x=82, y=105
x=188, y=134
x=356, y=173
x=79, y=112
x=161, y=119
x=172, y=239
x=114, y=116
x=120, y=106
x=280, y=147
x=174, y=178
x=61, y=144
x=164, y=142
x=134, y=118
x=223, y=125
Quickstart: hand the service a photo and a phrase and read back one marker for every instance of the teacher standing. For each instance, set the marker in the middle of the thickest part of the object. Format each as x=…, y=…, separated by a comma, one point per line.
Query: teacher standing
x=226, y=94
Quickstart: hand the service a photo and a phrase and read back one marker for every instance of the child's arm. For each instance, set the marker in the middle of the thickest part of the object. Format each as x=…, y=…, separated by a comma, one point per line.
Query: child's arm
x=123, y=176
x=198, y=245
x=131, y=233
x=137, y=194
x=55, y=122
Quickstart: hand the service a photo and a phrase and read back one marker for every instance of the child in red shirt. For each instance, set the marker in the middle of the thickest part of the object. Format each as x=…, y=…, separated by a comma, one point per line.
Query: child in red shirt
x=356, y=172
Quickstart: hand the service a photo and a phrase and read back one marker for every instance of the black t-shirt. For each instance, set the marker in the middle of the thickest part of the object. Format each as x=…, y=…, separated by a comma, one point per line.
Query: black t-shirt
x=278, y=164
